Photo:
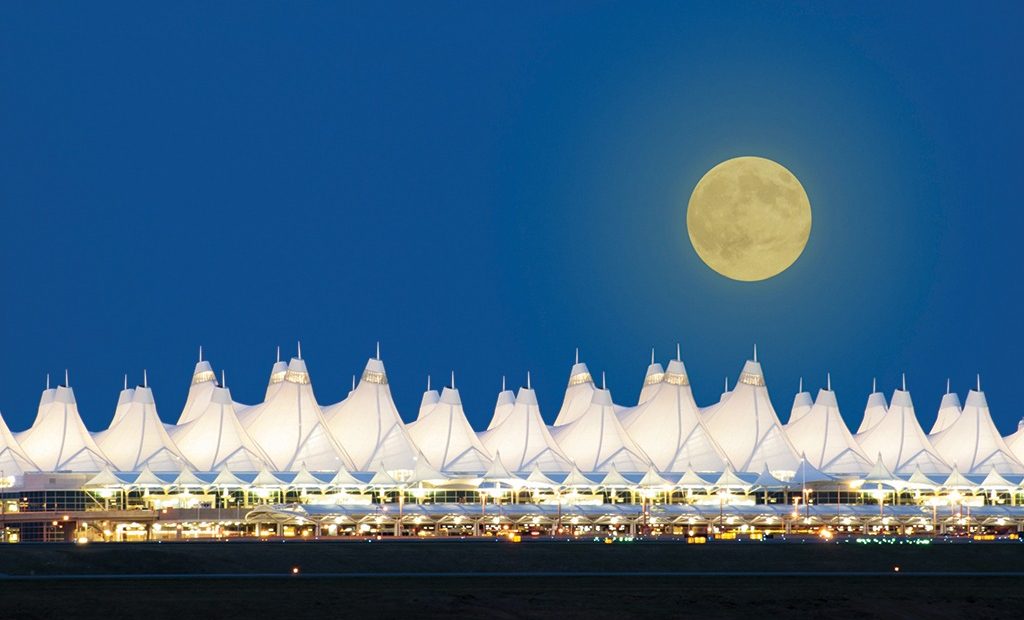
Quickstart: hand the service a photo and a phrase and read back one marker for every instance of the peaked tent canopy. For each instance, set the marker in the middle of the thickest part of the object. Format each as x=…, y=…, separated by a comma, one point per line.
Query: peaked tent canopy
x=1015, y=441
x=874, y=411
x=58, y=439
x=578, y=394
x=973, y=444
x=14, y=461
x=524, y=440
x=368, y=426
x=949, y=411
x=430, y=398
x=506, y=401
x=277, y=375
x=596, y=441
x=652, y=378
x=823, y=437
x=901, y=442
x=289, y=427
x=802, y=404
x=124, y=402
x=746, y=428
x=200, y=391
x=446, y=439
x=139, y=439
x=669, y=428
x=215, y=439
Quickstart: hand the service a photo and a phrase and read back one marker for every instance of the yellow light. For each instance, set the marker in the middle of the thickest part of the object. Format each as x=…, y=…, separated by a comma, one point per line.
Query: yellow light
x=82, y=540
x=295, y=570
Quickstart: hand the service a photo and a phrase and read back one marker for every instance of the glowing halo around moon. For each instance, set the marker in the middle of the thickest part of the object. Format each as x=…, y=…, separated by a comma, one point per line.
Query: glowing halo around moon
x=749, y=218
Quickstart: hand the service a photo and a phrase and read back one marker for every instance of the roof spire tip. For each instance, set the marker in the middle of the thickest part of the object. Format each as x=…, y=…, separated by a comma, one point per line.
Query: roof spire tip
x=298, y=349
x=279, y=354
x=679, y=355
x=652, y=356
x=904, y=375
x=528, y=380
x=223, y=378
x=428, y=383
x=828, y=381
x=577, y=355
x=801, y=388
x=145, y=378
x=755, y=351
x=378, y=349
x=126, y=381
x=603, y=384
x=978, y=379
x=67, y=381
x=200, y=353
x=453, y=379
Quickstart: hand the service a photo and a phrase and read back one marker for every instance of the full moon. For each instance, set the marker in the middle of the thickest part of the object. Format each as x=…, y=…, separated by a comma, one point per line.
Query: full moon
x=749, y=218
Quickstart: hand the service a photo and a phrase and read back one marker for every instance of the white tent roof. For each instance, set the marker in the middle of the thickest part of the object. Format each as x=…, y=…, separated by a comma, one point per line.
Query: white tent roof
x=957, y=481
x=277, y=374
x=186, y=478
x=669, y=428
x=425, y=473
x=430, y=398
x=537, y=479
x=58, y=439
x=874, y=411
x=503, y=406
x=368, y=426
x=823, y=437
x=124, y=402
x=949, y=411
x=289, y=427
x=1015, y=441
x=578, y=393
x=524, y=440
x=199, y=392
x=746, y=428
x=13, y=459
x=596, y=440
x=918, y=480
x=730, y=480
x=806, y=473
x=652, y=378
x=972, y=443
x=901, y=442
x=691, y=480
x=994, y=481
x=139, y=439
x=765, y=480
x=215, y=439
x=446, y=439
x=880, y=474
x=614, y=480
x=802, y=403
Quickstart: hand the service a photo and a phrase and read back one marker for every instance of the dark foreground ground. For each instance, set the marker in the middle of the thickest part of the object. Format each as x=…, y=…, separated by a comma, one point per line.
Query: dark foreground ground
x=432, y=579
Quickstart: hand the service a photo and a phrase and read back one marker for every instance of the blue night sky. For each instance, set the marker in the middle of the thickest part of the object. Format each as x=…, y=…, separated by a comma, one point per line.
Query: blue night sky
x=483, y=187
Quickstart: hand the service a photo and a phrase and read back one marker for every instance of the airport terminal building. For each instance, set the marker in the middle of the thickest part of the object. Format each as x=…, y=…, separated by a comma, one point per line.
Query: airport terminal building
x=291, y=467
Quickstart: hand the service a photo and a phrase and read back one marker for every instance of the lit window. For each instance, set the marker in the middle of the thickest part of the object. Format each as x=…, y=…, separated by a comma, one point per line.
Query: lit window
x=297, y=376
x=654, y=378
x=751, y=379
x=372, y=376
x=580, y=378
x=203, y=377
x=677, y=378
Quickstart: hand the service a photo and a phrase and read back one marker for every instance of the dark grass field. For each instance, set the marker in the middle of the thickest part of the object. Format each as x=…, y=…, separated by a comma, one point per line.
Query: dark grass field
x=504, y=580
